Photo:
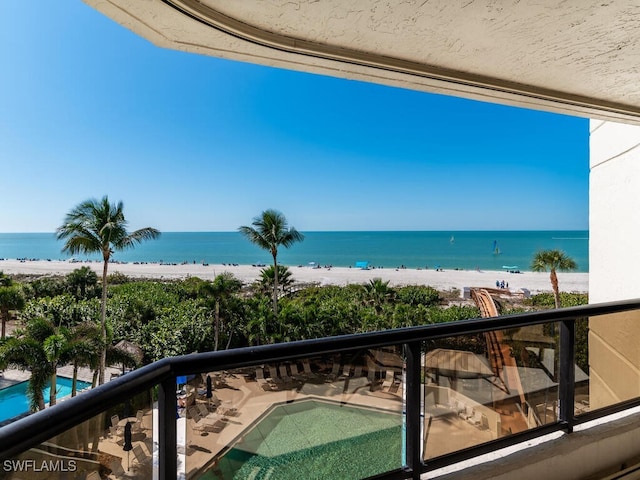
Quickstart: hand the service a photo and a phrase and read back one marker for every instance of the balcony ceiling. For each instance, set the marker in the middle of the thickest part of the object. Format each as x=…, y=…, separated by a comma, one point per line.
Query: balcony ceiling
x=579, y=57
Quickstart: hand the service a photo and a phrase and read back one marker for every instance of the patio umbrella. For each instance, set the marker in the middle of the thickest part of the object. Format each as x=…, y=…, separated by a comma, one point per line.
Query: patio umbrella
x=209, y=387
x=127, y=446
x=131, y=349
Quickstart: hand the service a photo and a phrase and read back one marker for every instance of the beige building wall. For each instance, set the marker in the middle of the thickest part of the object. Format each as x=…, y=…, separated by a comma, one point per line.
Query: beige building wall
x=614, y=260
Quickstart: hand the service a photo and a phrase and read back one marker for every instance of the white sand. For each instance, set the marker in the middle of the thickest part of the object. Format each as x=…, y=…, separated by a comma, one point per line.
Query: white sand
x=446, y=280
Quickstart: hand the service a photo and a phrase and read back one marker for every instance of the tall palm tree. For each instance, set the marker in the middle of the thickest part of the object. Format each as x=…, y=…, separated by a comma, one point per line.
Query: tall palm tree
x=220, y=292
x=97, y=226
x=270, y=230
x=553, y=260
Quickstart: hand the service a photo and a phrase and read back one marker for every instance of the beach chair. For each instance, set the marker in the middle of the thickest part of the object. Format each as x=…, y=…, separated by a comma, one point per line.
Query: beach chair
x=219, y=425
x=199, y=419
x=388, y=380
x=307, y=367
x=115, y=428
x=282, y=368
x=264, y=383
x=93, y=476
x=115, y=420
x=297, y=372
x=334, y=371
x=204, y=411
x=116, y=468
x=140, y=455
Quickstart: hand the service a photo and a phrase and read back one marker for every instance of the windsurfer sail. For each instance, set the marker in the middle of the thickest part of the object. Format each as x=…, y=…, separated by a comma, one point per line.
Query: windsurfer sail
x=496, y=249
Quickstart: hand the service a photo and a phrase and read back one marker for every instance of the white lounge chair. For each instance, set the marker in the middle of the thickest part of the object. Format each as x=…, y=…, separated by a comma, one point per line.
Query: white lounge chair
x=307, y=367
x=140, y=455
x=388, y=380
x=282, y=368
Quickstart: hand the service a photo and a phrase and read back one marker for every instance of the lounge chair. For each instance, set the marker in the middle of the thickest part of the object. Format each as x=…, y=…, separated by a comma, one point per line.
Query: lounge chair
x=282, y=368
x=141, y=457
x=262, y=381
x=93, y=476
x=115, y=428
x=116, y=469
x=307, y=367
x=297, y=372
x=388, y=380
x=204, y=412
x=334, y=371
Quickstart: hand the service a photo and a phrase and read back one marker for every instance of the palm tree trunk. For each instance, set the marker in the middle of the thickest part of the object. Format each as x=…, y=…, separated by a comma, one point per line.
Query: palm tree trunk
x=216, y=331
x=554, y=285
x=275, y=285
x=103, y=321
x=74, y=381
x=54, y=385
x=4, y=313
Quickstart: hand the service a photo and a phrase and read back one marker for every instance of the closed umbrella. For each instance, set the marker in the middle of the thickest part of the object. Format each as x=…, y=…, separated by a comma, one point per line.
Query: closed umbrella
x=209, y=387
x=127, y=447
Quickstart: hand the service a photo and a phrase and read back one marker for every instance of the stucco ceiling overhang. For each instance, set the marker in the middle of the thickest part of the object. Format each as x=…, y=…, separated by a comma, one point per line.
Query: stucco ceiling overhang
x=578, y=57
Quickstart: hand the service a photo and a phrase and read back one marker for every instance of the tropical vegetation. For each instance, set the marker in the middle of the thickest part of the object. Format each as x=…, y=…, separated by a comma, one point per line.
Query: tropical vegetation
x=61, y=320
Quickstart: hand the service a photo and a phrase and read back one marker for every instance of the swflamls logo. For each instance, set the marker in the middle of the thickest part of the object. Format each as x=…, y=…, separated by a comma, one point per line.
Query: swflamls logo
x=39, y=466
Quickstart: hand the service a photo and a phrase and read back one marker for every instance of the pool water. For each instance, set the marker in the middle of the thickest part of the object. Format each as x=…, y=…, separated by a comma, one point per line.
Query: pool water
x=14, y=400
x=315, y=440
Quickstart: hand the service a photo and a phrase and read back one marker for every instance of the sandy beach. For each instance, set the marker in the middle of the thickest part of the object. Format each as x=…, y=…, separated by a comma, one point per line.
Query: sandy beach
x=441, y=280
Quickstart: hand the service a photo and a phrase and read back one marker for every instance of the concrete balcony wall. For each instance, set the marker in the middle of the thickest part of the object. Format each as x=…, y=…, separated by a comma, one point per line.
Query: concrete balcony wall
x=614, y=211
x=614, y=259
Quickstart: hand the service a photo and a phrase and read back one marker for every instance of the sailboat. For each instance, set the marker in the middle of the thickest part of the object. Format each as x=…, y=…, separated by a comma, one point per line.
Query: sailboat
x=496, y=249
x=452, y=240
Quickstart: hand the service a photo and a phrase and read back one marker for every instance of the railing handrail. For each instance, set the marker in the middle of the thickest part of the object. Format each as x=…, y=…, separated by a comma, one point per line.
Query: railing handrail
x=30, y=431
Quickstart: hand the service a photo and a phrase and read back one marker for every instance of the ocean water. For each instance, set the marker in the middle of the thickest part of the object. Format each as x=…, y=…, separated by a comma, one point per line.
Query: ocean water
x=487, y=250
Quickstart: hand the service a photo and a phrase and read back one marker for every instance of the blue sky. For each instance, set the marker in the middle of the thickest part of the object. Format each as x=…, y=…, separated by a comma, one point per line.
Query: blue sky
x=194, y=143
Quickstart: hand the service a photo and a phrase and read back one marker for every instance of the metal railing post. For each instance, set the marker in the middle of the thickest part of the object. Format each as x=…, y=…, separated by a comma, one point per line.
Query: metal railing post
x=567, y=373
x=167, y=432
x=413, y=426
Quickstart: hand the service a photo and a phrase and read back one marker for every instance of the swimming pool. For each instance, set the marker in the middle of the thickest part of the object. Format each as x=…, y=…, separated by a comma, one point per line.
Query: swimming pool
x=14, y=400
x=314, y=439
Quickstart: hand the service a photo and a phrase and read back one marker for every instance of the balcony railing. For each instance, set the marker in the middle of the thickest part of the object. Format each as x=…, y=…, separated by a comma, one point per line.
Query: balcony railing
x=389, y=404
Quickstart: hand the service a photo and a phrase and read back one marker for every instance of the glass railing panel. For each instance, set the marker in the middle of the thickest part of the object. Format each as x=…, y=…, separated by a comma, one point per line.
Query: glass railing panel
x=334, y=416
x=117, y=443
x=582, y=403
x=614, y=359
x=481, y=387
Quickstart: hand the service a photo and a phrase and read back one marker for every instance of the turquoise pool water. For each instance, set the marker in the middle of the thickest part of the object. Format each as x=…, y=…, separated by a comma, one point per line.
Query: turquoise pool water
x=14, y=401
x=315, y=440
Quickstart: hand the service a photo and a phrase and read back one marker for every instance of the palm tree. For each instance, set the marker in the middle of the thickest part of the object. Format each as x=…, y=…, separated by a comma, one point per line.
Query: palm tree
x=553, y=260
x=221, y=290
x=270, y=230
x=81, y=280
x=267, y=277
x=377, y=293
x=97, y=226
x=39, y=349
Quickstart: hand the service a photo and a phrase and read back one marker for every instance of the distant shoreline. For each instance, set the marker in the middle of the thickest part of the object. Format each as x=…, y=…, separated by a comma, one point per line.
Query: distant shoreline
x=441, y=280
